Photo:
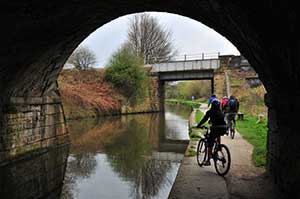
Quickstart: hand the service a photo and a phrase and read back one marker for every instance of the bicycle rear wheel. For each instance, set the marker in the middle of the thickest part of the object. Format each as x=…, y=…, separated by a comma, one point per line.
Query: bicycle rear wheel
x=201, y=152
x=222, y=159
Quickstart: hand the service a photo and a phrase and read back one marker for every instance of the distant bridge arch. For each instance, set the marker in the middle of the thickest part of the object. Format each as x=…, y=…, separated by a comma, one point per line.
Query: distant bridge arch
x=187, y=69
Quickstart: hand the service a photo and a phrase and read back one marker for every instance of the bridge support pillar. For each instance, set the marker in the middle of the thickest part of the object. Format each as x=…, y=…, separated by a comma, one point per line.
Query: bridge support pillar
x=212, y=85
x=161, y=94
x=283, y=143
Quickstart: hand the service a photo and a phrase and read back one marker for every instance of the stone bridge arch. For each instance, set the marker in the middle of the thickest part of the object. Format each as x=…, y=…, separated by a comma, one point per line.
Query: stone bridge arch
x=38, y=37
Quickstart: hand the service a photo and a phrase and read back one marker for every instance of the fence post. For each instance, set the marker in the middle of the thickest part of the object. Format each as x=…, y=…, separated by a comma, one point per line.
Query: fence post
x=202, y=56
x=184, y=57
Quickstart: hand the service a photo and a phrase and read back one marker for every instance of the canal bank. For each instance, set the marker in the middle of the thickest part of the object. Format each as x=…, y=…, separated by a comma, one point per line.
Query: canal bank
x=86, y=93
x=244, y=180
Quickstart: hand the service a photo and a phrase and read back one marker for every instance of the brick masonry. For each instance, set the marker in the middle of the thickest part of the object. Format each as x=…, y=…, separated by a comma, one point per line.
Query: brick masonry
x=31, y=124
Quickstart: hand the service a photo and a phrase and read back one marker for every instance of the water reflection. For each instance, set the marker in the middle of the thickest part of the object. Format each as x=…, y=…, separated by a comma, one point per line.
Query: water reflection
x=177, y=122
x=130, y=155
x=119, y=157
x=127, y=158
x=39, y=176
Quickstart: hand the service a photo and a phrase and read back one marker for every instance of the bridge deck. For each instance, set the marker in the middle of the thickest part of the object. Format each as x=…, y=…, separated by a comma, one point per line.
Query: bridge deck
x=187, y=65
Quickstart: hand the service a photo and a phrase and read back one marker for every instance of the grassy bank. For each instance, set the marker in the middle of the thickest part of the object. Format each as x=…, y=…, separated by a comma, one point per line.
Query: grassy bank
x=256, y=134
x=87, y=94
x=194, y=104
x=198, y=116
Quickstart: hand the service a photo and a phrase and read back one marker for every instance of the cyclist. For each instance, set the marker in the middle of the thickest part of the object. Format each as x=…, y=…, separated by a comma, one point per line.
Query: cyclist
x=223, y=103
x=212, y=98
x=231, y=109
x=217, y=129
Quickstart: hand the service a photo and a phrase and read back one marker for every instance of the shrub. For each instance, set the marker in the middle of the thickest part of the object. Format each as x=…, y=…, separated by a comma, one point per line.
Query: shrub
x=126, y=73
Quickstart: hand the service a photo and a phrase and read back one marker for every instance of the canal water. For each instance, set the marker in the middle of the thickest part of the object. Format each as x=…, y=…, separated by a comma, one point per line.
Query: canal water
x=132, y=156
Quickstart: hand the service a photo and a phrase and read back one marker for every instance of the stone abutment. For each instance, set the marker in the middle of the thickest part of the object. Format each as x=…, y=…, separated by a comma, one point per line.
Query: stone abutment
x=31, y=125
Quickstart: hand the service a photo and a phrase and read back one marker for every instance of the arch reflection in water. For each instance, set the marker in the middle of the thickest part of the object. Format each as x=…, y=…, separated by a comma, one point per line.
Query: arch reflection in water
x=122, y=157
x=40, y=176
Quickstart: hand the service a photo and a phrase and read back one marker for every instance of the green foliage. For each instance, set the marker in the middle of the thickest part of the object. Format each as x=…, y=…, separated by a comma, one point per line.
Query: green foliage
x=185, y=90
x=191, y=152
x=195, y=135
x=256, y=134
x=171, y=91
x=126, y=73
x=198, y=116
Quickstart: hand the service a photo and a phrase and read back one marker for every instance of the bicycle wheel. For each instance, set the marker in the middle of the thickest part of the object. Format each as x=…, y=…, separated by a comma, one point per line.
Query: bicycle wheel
x=231, y=129
x=222, y=159
x=201, y=152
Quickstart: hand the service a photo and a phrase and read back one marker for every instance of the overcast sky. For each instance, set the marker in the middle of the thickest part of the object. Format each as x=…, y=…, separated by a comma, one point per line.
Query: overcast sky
x=189, y=37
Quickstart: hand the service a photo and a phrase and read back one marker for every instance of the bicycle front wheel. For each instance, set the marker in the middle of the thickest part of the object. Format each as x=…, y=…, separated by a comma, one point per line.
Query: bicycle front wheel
x=222, y=159
x=201, y=152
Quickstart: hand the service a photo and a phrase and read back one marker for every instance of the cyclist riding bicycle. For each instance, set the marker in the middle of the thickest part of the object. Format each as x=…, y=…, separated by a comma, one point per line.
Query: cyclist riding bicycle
x=217, y=129
x=211, y=99
x=223, y=103
x=231, y=109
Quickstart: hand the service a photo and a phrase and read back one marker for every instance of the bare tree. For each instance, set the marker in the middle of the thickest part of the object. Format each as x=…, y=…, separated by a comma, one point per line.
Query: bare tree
x=82, y=58
x=149, y=40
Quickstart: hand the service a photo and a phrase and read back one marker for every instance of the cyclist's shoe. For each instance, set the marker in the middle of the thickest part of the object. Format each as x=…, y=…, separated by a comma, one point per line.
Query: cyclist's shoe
x=207, y=163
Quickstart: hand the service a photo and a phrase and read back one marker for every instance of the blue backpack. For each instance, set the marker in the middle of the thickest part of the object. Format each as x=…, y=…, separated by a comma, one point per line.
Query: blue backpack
x=232, y=104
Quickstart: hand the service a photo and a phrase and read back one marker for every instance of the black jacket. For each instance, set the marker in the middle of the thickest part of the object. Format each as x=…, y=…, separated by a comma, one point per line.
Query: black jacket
x=216, y=117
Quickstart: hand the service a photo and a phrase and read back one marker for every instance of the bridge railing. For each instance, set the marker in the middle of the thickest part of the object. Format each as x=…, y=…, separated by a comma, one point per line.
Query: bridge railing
x=187, y=64
x=190, y=57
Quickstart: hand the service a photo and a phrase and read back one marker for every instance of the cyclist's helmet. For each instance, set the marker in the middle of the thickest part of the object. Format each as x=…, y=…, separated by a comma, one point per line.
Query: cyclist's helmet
x=215, y=104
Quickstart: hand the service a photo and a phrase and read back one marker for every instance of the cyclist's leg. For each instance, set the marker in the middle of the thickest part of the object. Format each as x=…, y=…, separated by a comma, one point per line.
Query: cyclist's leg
x=233, y=118
x=209, y=155
x=229, y=118
x=219, y=139
x=227, y=124
x=210, y=143
x=226, y=118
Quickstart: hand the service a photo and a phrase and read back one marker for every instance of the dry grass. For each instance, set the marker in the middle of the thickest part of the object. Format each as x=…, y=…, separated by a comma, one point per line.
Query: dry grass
x=251, y=99
x=87, y=93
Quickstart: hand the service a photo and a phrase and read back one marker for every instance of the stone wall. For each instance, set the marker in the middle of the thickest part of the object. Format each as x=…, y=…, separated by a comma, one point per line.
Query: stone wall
x=29, y=125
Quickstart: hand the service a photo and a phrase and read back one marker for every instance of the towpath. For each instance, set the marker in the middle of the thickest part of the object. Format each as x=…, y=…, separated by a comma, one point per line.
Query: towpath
x=243, y=181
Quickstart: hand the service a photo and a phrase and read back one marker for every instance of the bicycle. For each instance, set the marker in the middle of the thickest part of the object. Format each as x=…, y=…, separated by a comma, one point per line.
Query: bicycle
x=220, y=154
x=231, y=124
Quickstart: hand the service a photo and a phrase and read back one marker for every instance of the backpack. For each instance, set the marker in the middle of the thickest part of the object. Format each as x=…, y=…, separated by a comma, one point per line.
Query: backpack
x=232, y=103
